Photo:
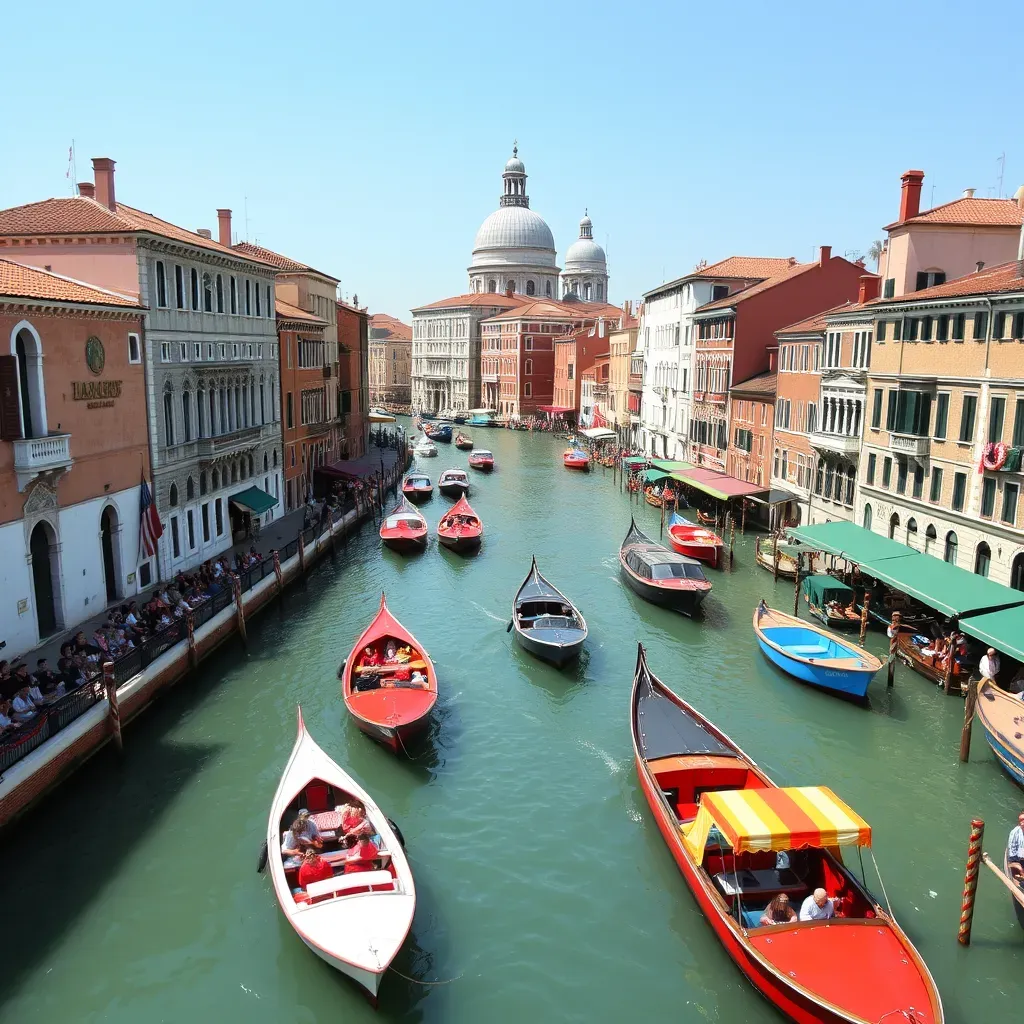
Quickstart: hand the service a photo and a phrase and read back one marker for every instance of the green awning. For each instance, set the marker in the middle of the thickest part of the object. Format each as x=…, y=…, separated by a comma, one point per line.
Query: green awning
x=635, y=460
x=255, y=499
x=652, y=476
x=668, y=466
x=822, y=588
x=1002, y=630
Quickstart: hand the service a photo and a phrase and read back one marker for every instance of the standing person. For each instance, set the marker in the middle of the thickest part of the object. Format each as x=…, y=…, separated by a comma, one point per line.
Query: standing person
x=1015, y=850
x=989, y=665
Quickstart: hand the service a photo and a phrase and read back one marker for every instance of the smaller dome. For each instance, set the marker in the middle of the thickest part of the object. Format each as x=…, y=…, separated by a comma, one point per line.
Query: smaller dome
x=515, y=165
x=584, y=251
x=585, y=223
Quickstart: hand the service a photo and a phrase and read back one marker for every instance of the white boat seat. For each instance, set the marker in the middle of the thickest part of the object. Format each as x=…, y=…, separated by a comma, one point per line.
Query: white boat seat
x=807, y=650
x=341, y=884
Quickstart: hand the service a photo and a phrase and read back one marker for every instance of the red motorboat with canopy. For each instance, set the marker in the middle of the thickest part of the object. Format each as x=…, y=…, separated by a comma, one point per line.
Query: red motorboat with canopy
x=695, y=541
x=728, y=826
x=460, y=528
x=388, y=682
x=417, y=487
x=404, y=529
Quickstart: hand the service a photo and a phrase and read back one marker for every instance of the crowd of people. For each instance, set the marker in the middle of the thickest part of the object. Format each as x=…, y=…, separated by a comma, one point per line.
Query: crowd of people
x=358, y=845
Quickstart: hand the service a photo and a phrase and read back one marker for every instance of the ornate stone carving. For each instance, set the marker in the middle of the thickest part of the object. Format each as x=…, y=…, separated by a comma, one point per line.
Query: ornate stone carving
x=42, y=497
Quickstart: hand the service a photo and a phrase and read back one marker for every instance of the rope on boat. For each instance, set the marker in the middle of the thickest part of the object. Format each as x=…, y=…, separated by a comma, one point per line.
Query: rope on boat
x=416, y=981
x=405, y=749
x=881, y=883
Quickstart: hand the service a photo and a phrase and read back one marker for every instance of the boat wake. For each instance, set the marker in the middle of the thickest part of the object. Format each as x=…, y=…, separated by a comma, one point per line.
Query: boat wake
x=249, y=991
x=490, y=615
x=613, y=766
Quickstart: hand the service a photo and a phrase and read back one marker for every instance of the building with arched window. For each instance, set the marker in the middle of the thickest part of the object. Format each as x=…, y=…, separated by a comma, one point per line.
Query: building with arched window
x=74, y=442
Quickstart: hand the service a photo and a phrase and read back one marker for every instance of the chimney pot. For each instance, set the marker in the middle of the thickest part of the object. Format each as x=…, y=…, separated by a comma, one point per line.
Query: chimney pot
x=826, y=254
x=910, y=196
x=968, y=193
x=979, y=266
x=103, y=173
x=224, y=227
x=510, y=289
x=205, y=233
x=87, y=189
x=868, y=287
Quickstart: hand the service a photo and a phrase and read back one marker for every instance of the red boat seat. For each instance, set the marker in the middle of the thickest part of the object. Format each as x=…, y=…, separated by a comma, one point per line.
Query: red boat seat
x=317, y=797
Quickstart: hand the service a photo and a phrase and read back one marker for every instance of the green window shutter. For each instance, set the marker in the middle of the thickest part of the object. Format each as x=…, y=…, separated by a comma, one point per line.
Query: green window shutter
x=988, y=497
x=881, y=330
x=941, y=415
x=1018, y=424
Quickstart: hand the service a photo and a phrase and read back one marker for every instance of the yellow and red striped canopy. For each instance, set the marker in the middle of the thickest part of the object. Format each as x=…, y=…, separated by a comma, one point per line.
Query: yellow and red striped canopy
x=777, y=819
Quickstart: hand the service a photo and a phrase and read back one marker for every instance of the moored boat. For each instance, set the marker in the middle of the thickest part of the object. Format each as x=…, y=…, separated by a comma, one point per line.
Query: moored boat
x=460, y=528
x=355, y=920
x=482, y=418
x=388, y=682
x=813, y=654
x=1000, y=714
x=576, y=458
x=660, y=498
x=439, y=432
x=453, y=482
x=417, y=487
x=404, y=529
x=695, y=541
x=463, y=442
x=725, y=823
x=459, y=418
x=765, y=558
x=424, y=448
x=706, y=519
x=830, y=601
x=1018, y=909
x=545, y=621
x=482, y=459
x=660, y=575
x=929, y=657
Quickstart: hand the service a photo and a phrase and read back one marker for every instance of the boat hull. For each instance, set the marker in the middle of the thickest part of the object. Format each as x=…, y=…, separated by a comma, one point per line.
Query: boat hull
x=582, y=465
x=687, y=602
x=464, y=446
x=393, y=737
x=406, y=545
x=1017, y=908
x=484, y=467
x=418, y=496
x=848, y=684
x=1009, y=759
x=556, y=654
x=659, y=502
x=453, y=490
x=461, y=545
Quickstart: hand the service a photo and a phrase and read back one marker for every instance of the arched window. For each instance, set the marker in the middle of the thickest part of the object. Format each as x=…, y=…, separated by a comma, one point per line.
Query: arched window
x=528, y=367
x=258, y=312
x=867, y=517
x=275, y=458
x=200, y=413
x=172, y=498
x=220, y=294
x=168, y=417
x=586, y=291
x=202, y=483
x=252, y=466
x=547, y=289
x=600, y=292
x=911, y=533
x=492, y=285
x=894, y=525
x=28, y=353
x=930, y=537
x=851, y=483
x=215, y=480
x=982, y=559
x=819, y=477
x=190, y=489
x=1017, y=572
x=207, y=293
x=161, y=284
x=530, y=288
x=949, y=555
x=234, y=473
x=194, y=281
x=266, y=462
x=186, y=415
x=234, y=295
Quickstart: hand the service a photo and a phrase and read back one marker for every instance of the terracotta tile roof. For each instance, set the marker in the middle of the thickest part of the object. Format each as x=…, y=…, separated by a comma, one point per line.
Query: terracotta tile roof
x=1003, y=213
x=473, y=299
x=17, y=281
x=397, y=331
x=1005, y=277
x=816, y=324
x=747, y=266
x=794, y=270
x=277, y=260
x=79, y=215
x=286, y=311
x=763, y=384
x=552, y=309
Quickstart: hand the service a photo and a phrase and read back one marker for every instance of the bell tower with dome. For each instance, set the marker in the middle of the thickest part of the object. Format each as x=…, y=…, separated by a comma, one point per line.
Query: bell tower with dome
x=514, y=246
x=586, y=267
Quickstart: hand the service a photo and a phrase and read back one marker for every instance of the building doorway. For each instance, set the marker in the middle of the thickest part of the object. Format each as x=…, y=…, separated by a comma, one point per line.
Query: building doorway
x=108, y=531
x=43, y=578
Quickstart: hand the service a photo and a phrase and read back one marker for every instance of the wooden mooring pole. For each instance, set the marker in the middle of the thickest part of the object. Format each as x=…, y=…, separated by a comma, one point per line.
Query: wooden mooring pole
x=193, y=654
x=864, y=616
x=110, y=685
x=796, y=584
x=947, y=675
x=661, y=532
x=894, y=632
x=775, y=557
x=969, y=705
x=970, y=882
x=743, y=517
x=277, y=570
x=236, y=587
x=732, y=542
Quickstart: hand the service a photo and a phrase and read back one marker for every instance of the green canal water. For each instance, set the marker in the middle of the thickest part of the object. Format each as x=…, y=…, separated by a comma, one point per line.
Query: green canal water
x=545, y=892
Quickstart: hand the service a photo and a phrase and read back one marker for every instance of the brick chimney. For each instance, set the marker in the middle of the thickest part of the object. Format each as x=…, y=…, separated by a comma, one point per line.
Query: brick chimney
x=868, y=287
x=87, y=189
x=826, y=254
x=910, y=196
x=103, y=173
x=224, y=227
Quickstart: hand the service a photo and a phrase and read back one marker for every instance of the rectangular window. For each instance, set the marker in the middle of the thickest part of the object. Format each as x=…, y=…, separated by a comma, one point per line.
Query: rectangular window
x=258, y=311
x=134, y=349
x=220, y=293
x=872, y=462
x=996, y=414
x=248, y=297
x=890, y=409
x=901, y=477
x=999, y=325
x=926, y=328
x=175, y=539
x=882, y=324
x=912, y=327
x=936, y=489
x=967, y=417
x=988, y=497
x=876, y=409
x=165, y=351
x=913, y=413
x=219, y=516
x=1010, y=492
x=959, y=323
x=980, y=326
x=897, y=330
x=1018, y=424
x=1018, y=326
x=942, y=328
x=918, y=481
x=179, y=286
x=886, y=471
x=206, y=522
x=190, y=519
x=941, y=415
x=291, y=410
x=889, y=288
x=959, y=491
x=161, y=284
x=234, y=295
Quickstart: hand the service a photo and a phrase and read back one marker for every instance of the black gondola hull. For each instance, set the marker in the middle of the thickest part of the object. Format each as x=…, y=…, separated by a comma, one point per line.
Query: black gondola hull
x=558, y=653
x=687, y=602
x=453, y=490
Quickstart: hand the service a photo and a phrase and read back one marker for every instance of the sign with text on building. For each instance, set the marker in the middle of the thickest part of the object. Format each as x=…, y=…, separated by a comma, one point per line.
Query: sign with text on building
x=99, y=394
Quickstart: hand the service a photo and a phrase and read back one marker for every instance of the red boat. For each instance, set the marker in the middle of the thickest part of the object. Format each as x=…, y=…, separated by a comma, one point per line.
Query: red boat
x=460, y=528
x=576, y=458
x=404, y=530
x=695, y=541
x=417, y=487
x=388, y=682
x=726, y=824
x=480, y=458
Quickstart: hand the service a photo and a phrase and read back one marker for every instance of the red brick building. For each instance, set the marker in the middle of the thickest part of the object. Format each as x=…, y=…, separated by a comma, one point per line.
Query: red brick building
x=751, y=422
x=353, y=377
x=575, y=353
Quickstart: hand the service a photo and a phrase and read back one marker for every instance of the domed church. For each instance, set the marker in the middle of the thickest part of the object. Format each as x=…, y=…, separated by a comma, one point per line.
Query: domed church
x=514, y=246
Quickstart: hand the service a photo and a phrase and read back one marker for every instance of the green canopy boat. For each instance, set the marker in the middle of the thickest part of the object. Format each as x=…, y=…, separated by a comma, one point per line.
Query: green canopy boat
x=830, y=600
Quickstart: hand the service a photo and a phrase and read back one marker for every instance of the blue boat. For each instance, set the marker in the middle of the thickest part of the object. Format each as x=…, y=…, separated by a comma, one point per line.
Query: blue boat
x=481, y=418
x=999, y=713
x=813, y=654
x=441, y=433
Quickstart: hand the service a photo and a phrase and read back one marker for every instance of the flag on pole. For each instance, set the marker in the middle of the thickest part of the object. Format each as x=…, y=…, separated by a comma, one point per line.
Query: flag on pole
x=150, y=529
x=71, y=160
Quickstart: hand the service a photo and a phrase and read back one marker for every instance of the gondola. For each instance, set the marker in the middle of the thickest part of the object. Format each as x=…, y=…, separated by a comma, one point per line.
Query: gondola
x=390, y=698
x=355, y=921
x=662, y=576
x=705, y=519
x=442, y=432
x=546, y=623
x=695, y=541
x=463, y=442
x=725, y=822
x=910, y=649
x=576, y=458
x=454, y=483
x=830, y=601
x=659, y=500
x=417, y=487
x=404, y=529
x=765, y=559
x=813, y=654
x=482, y=459
x=460, y=528
x=1000, y=716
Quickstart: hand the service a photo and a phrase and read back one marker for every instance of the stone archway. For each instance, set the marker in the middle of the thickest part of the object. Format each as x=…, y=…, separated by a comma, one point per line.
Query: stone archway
x=110, y=549
x=43, y=552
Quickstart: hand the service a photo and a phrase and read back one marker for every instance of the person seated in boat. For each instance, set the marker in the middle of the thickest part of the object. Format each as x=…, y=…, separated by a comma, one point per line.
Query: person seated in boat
x=418, y=679
x=779, y=911
x=817, y=907
x=314, y=868
x=362, y=853
x=403, y=655
x=371, y=657
x=354, y=820
x=302, y=835
x=390, y=653
x=1015, y=850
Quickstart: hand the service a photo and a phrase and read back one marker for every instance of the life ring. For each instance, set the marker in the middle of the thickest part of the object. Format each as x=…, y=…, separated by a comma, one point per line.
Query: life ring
x=993, y=456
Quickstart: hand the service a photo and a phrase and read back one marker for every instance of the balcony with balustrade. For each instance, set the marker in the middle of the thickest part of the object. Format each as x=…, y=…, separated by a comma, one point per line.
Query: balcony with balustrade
x=912, y=445
x=236, y=441
x=34, y=456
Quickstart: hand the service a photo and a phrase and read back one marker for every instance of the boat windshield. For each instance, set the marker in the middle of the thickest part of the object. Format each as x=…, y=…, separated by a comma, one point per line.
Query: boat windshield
x=481, y=453
x=676, y=570
x=403, y=519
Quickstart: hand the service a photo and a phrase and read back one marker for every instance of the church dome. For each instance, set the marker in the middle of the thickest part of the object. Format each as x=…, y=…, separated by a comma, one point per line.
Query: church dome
x=584, y=250
x=515, y=165
x=514, y=227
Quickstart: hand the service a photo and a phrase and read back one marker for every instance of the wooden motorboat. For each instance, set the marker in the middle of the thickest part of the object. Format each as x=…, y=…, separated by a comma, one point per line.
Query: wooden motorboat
x=932, y=665
x=441, y=432
x=764, y=556
x=460, y=528
x=417, y=487
x=463, y=442
x=660, y=499
x=428, y=415
x=725, y=823
x=390, y=697
x=424, y=448
x=404, y=529
x=482, y=459
x=660, y=575
x=830, y=601
x=705, y=519
x=813, y=654
x=695, y=541
x=545, y=621
x=576, y=458
x=453, y=482
x=356, y=920
x=1001, y=715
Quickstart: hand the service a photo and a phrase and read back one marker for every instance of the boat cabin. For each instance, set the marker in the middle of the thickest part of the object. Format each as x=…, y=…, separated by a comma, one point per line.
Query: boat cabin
x=417, y=482
x=454, y=476
x=404, y=520
x=656, y=563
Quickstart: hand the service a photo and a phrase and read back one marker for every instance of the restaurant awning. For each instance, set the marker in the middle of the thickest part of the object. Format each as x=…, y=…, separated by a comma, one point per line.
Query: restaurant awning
x=555, y=409
x=671, y=466
x=1003, y=630
x=776, y=496
x=718, y=485
x=599, y=434
x=254, y=499
x=777, y=819
x=652, y=476
x=821, y=588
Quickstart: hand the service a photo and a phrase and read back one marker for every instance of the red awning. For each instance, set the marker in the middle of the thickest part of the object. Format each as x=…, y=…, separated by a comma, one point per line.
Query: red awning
x=719, y=485
x=553, y=409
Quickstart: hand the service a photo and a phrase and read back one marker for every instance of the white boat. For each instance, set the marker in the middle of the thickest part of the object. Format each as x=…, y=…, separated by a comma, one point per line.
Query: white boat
x=355, y=922
x=425, y=448
x=454, y=483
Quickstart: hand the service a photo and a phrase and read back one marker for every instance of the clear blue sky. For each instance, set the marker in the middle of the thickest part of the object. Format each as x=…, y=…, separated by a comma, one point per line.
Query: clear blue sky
x=369, y=139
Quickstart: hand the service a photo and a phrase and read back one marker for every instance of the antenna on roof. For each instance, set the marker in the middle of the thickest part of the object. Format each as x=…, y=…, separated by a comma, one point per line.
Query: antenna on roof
x=247, y=218
x=1001, y=160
